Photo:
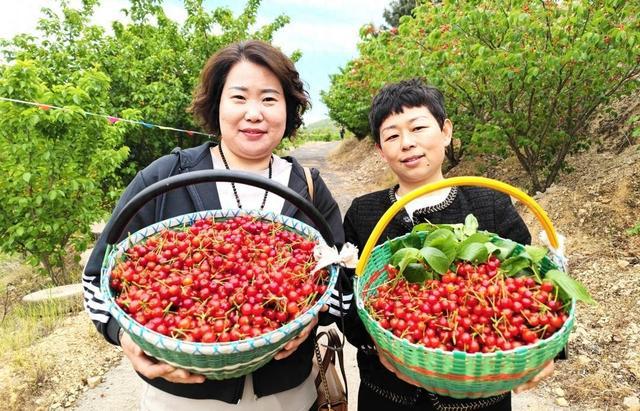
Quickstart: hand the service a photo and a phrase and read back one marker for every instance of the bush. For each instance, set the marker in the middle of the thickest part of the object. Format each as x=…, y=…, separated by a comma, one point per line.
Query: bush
x=53, y=164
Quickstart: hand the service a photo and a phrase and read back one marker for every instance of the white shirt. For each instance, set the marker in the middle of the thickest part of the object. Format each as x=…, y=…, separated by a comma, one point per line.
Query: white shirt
x=251, y=197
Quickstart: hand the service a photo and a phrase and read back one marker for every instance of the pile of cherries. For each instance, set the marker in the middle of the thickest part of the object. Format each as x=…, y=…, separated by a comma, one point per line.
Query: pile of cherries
x=219, y=281
x=475, y=309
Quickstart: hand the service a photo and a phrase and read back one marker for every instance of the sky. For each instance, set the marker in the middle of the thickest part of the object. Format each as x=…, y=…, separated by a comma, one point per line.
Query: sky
x=325, y=31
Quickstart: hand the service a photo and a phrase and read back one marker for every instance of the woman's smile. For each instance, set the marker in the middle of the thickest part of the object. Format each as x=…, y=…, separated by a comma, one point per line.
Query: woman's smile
x=253, y=133
x=412, y=160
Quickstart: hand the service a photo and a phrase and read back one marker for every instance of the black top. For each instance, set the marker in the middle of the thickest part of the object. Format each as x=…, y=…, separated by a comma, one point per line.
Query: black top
x=275, y=376
x=494, y=212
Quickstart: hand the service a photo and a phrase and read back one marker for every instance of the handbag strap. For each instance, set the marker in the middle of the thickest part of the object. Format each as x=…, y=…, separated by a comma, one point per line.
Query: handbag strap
x=337, y=346
x=323, y=362
x=322, y=377
x=334, y=346
x=307, y=175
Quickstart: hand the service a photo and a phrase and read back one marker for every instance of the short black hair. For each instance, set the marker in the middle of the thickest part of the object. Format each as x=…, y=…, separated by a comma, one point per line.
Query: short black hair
x=395, y=97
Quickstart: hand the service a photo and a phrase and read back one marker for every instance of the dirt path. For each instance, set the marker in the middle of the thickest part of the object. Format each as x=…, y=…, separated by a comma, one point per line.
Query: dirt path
x=315, y=155
x=120, y=389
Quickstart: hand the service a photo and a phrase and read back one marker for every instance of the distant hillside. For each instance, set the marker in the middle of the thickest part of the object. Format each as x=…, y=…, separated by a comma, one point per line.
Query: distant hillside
x=325, y=124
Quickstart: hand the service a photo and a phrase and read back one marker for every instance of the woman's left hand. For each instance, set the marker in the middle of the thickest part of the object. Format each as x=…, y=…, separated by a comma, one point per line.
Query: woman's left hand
x=547, y=371
x=292, y=345
x=389, y=366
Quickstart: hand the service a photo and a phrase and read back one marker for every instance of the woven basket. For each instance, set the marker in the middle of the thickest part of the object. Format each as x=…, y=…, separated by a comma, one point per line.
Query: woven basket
x=217, y=361
x=455, y=373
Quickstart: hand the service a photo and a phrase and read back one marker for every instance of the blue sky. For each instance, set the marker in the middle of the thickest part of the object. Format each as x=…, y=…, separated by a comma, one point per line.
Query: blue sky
x=326, y=31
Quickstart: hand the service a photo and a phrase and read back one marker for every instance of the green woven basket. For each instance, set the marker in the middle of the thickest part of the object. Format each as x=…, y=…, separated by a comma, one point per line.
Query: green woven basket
x=455, y=373
x=217, y=361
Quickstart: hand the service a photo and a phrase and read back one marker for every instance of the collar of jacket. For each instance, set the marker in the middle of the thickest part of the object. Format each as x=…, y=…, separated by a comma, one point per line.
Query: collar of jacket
x=199, y=158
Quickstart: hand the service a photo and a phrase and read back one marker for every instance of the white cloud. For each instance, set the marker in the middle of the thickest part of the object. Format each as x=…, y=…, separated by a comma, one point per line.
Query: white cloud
x=22, y=16
x=319, y=38
x=108, y=12
x=371, y=9
x=19, y=17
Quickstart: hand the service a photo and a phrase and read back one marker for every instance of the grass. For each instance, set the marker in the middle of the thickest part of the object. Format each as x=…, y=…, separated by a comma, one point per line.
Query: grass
x=22, y=325
x=35, y=369
x=26, y=323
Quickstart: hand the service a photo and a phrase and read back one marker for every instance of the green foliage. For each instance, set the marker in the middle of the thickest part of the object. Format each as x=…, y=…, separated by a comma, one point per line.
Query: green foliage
x=53, y=163
x=520, y=78
x=323, y=130
x=348, y=100
x=397, y=9
x=315, y=135
x=325, y=125
x=634, y=121
x=635, y=230
x=153, y=62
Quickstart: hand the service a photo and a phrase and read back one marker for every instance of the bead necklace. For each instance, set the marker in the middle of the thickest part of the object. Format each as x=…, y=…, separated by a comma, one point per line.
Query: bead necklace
x=233, y=186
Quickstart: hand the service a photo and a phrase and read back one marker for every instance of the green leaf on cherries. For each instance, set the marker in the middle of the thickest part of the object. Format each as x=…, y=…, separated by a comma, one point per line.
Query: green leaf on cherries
x=405, y=256
x=448, y=246
x=571, y=287
x=491, y=248
x=412, y=241
x=475, y=252
x=416, y=273
x=395, y=245
x=440, y=233
x=436, y=259
x=513, y=265
x=505, y=247
x=424, y=228
x=456, y=229
x=445, y=241
x=475, y=238
x=536, y=253
x=470, y=225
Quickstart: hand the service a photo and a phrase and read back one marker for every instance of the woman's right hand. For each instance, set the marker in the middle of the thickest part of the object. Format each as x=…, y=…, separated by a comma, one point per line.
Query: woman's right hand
x=153, y=369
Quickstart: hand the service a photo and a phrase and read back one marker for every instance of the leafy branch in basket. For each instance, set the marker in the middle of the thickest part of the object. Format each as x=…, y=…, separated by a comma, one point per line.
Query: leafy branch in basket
x=431, y=250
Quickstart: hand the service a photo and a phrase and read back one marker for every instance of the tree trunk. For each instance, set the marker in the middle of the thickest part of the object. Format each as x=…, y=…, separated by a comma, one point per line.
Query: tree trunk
x=451, y=156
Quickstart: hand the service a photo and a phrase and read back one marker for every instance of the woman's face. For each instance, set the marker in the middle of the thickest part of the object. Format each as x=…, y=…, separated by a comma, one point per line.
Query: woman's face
x=413, y=145
x=253, y=111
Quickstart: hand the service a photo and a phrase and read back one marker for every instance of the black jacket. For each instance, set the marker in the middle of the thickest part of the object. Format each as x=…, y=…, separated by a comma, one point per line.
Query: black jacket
x=274, y=377
x=494, y=212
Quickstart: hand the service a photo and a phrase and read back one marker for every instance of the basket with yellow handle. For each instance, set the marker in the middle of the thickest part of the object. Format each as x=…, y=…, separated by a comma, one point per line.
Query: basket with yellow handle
x=448, y=369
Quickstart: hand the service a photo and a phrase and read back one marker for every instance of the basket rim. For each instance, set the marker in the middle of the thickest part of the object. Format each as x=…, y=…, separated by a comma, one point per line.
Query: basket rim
x=457, y=353
x=161, y=341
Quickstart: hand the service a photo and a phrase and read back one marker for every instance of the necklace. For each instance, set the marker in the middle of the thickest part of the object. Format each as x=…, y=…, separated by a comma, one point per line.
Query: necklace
x=233, y=185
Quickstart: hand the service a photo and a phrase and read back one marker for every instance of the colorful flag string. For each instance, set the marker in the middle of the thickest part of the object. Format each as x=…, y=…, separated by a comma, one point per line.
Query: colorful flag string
x=110, y=119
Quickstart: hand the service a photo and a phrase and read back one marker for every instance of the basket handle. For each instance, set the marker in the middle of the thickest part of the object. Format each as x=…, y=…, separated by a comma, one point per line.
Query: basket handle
x=205, y=176
x=540, y=214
